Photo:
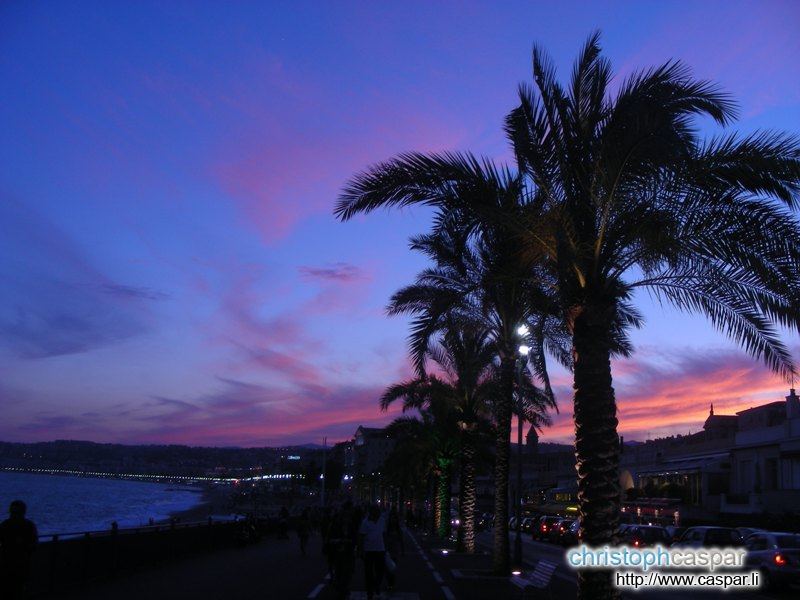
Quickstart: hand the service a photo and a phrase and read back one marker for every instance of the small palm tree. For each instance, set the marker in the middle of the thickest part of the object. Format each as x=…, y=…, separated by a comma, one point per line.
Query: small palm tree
x=627, y=196
x=465, y=362
x=430, y=440
x=479, y=277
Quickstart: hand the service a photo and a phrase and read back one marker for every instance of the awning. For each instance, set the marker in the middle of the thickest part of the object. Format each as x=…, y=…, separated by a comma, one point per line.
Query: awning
x=566, y=510
x=790, y=448
x=681, y=466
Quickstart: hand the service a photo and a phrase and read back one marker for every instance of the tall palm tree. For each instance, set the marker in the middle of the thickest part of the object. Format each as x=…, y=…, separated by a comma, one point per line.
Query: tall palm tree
x=626, y=195
x=479, y=275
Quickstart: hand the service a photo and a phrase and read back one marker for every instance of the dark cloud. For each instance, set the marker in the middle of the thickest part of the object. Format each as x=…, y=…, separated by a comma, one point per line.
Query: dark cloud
x=79, y=325
x=53, y=300
x=129, y=291
x=339, y=271
x=176, y=403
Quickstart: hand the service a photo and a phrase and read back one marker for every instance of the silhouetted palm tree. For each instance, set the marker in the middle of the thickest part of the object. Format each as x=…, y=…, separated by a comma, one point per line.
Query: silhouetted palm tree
x=464, y=359
x=480, y=276
x=627, y=196
x=430, y=441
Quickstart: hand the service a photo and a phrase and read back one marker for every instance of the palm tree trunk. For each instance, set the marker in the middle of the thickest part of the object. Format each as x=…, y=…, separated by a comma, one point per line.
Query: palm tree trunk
x=437, y=505
x=467, y=495
x=500, y=556
x=443, y=497
x=596, y=442
x=461, y=513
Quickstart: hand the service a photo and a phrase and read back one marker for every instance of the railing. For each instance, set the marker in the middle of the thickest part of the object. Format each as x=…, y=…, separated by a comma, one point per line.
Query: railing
x=73, y=558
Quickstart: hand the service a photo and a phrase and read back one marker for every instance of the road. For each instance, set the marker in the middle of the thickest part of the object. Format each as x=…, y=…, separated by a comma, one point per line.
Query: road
x=566, y=580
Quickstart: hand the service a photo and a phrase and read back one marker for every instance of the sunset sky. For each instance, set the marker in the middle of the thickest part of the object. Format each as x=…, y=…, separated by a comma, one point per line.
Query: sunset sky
x=171, y=267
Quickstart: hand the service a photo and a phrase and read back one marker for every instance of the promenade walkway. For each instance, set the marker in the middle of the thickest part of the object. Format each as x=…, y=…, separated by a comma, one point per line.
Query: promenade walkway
x=271, y=569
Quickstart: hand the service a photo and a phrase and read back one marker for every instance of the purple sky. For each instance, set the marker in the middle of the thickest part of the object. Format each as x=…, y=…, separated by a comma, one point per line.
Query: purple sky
x=171, y=269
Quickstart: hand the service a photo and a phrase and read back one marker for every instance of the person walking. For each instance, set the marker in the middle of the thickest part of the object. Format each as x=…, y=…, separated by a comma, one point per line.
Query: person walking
x=394, y=547
x=328, y=550
x=18, y=538
x=303, y=530
x=342, y=538
x=372, y=548
x=283, y=524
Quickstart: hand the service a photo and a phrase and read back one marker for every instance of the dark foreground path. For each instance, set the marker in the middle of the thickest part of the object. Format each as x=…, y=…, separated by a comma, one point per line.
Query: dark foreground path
x=275, y=570
x=270, y=570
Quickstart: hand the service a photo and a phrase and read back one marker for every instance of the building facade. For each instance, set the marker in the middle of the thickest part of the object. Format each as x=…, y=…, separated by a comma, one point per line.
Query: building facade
x=745, y=465
x=364, y=458
x=738, y=468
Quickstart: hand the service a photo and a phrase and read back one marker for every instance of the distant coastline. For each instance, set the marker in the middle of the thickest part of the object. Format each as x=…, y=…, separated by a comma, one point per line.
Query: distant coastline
x=67, y=504
x=151, y=477
x=213, y=500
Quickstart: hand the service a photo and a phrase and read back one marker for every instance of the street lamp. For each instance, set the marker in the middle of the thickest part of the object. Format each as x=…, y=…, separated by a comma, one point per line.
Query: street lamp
x=524, y=350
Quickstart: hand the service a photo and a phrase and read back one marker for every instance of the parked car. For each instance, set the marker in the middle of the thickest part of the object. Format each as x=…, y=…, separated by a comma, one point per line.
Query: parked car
x=542, y=530
x=776, y=555
x=641, y=536
x=746, y=532
x=485, y=521
x=527, y=524
x=572, y=535
x=557, y=531
x=675, y=533
x=697, y=537
x=622, y=531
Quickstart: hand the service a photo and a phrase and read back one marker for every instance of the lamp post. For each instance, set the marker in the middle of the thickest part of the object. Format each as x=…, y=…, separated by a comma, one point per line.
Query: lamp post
x=322, y=485
x=524, y=350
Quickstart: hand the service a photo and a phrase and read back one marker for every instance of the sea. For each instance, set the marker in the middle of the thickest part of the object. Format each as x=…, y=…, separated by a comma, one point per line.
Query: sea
x=62, y=504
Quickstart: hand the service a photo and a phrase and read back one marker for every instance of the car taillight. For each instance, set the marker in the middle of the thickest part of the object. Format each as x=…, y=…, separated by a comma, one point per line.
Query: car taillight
x=780, y=560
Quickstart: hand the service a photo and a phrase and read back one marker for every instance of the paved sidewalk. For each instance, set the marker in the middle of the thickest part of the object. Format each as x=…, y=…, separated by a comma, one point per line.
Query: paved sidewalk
x=416, y=579
x=270, y=570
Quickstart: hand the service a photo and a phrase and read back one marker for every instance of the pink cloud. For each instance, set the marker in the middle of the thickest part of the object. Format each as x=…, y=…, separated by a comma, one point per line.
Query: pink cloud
x=671, y=393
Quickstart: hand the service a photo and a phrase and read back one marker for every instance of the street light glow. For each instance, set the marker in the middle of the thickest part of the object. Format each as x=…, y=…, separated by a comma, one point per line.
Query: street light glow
x=524, y=350
x=523, y=330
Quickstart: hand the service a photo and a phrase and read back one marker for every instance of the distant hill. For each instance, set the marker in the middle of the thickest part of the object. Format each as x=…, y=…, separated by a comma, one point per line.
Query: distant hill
x=165, y=459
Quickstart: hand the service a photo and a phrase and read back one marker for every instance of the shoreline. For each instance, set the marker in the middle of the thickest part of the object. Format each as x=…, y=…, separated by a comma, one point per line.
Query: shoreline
x=213, y=501
x=200, y=501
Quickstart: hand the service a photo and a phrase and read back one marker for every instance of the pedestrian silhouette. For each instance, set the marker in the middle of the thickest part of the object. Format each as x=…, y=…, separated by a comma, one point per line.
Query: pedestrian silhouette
x=372, y=548
x=303, y=530
x=18, y=537
x=283, y=524
x=394, y=546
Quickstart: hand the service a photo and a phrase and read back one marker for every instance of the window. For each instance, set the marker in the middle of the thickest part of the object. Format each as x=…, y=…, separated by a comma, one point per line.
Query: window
x=756, y=542
x=746, y=476
x=693, y=535
x=771, y=474
x=723, y=537
x=788, y=541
